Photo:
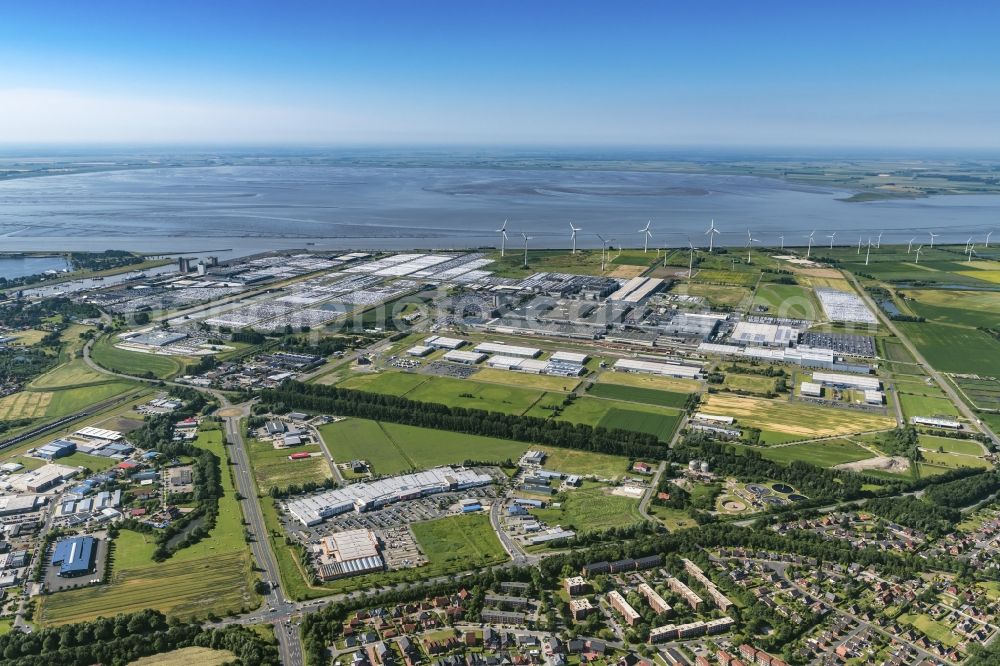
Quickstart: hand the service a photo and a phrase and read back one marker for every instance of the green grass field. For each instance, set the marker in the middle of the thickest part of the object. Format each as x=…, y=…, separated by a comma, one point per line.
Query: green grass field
x=896, y=351
x=457, y=543
x=105, y=354
x=788, y=300
x=583, y=463
x=952, y=460
x=825, y=453
x=984, y=393
x=638, y=394
x=527, y=380
x=590, y=508
x=750, y=383
x=387, y=383
x=213, y=575
x=922, y=405
x=93, y=463
x=392, y=448
x=955, y=349
x=75, y=373
x=967, y=447
x=716, y=294
x=650, y=381
x=475, y=395
x=273, y=469
x=661, y=425
x=976, y=309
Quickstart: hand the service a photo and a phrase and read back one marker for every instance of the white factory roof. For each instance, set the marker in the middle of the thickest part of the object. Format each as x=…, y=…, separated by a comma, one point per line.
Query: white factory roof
x=569, y=357
x=313, y=509
x=419, y=350
x=18, y=503
x=352, y=544
x=935, y=421
x=839, y=379
x=811, y=388
x=464, y=356
x=702, y=416
x=99, y=433
x=872, y=396
x=652, y=367
x=444, y=342
x=507, y=350
x=636, y=289
x=772, y=335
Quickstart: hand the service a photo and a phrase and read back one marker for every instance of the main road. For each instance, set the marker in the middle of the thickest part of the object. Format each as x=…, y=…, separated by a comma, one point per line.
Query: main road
x=260, y=545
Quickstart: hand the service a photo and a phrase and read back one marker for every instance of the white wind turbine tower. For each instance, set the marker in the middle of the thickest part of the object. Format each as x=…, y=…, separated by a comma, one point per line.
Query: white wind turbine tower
x=750, y=241
x=988, y=239
x=690, y=259
x=646, y=235
x=918, y=254
x=503, y=237
x=868, y=252
x=782, y=239
x=967, y=243
x=909, y=245
x=810, y=248
x=604, y=251
x=573, y=231
x=970, y=251
x=878, y=242
x=526, y=238
x=933, y=236
x=712, y=231
x=859, y=245
x=831, y=237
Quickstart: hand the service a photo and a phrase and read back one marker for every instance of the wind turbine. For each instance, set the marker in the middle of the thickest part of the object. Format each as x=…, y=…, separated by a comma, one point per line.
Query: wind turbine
x=967, y=243
x=918, y=254
x=782, y=239
x=573, y=231
x=878, y=242
x=750, y=241
x=647, y=234
x=712, y=231
x=933, y=236
x=971, y=251
x=868, y=252
x=909, y=245
x=831, y=237
x=690, y=259
x=604, y=250
x=810, y=248
x=859, y=245
x=988, y=239
x=526, y=239
x=503, y=237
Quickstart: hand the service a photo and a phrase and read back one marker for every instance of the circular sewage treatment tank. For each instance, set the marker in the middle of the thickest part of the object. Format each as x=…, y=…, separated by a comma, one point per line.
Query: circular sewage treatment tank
x=795, y=497
x=782, y=488
x=759, y=491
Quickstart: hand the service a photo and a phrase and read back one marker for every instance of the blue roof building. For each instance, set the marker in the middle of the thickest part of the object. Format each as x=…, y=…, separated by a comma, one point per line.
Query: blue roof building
x=56, y=449
x=75, y=556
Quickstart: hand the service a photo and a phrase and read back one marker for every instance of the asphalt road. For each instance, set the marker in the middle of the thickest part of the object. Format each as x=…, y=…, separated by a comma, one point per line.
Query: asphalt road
x=286, y=631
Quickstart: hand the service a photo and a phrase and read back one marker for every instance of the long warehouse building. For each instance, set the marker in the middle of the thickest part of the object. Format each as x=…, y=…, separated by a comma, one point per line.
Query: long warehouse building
x=654, y=368
x=365, y=496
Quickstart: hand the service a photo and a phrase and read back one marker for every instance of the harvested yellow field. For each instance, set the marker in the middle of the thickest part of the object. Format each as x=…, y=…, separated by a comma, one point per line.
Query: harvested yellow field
x=795, y=418
x=985, y=275
x=24, y=405
x=829, y=273
x=189, y=656
x=650, y=382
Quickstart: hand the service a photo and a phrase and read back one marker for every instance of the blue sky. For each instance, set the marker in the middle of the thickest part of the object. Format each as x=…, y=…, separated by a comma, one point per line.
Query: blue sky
x=674, y=74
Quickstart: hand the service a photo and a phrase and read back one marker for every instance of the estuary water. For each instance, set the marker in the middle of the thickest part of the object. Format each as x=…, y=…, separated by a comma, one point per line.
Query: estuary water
x=236, y=210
